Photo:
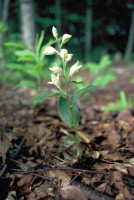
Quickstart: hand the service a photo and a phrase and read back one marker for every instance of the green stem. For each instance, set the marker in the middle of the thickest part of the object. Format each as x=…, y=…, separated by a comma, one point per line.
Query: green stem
x=39, y=82
x=71, y=111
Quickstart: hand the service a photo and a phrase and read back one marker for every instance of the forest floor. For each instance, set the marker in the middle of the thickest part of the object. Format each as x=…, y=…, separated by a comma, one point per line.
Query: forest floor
x=39, y=167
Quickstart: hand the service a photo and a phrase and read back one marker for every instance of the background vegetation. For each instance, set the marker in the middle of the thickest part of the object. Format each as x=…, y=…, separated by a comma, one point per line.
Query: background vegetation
x=99, y=27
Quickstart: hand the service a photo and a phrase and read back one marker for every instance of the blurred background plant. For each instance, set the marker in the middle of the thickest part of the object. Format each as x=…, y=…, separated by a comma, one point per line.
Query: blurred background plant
x=121, y=104
x=30, y=64
x=102, y=72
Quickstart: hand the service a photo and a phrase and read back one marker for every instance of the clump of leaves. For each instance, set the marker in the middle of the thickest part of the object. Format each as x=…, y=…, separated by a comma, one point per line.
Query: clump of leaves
x=102, y=72
x=121, y=104
x=30, y=63
x=67, y=108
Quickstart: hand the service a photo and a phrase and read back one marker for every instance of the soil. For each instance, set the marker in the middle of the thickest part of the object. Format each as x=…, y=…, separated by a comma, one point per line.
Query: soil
x=36, y=164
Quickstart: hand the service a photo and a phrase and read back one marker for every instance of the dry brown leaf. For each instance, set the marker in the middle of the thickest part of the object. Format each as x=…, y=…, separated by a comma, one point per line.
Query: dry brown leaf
x=120, y=167
x=4, y=145
x=101, y=166
x=113, y=156
x=25, y=180
x=131, y=161
x=73, y=193
x=96, y=178
x=40, y=192
x=126, y=116
x=85, y=137
x=93, y=154
x=11, y=195
x=101, y=187
x=62, y=177
x=113, y=139
x=119, y=197
x=125, y=120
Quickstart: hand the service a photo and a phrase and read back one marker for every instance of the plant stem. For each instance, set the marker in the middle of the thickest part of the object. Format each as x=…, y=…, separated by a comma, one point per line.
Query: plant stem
x=75, y=125
x=39, y=82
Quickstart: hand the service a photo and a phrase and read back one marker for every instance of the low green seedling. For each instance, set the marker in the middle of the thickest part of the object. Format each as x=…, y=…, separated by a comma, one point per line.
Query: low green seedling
x=30, y=63
x=67, y=107
x=121, y=104
x=102, y=72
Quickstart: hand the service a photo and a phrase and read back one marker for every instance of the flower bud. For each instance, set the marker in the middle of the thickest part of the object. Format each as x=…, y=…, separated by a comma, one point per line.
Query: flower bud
x=66, y=38
x=69, y=57
x=50, y=51
x=55, y=80
x=74, y=68
x=64, y=54
x=57, y=70
x=55, y=32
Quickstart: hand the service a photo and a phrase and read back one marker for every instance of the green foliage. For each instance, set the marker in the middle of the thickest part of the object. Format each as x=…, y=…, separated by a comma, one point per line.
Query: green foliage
x=81, y=92
x=42, y=97
x=78, y=83
x=102, y=72
x=3, y=27
x=120, y=104
x=64, y=111
x=30, y=63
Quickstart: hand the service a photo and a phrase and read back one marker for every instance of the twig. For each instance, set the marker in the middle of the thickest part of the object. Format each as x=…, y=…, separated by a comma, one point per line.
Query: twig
x=58, y=169
x=15, y=155
x=3, y=170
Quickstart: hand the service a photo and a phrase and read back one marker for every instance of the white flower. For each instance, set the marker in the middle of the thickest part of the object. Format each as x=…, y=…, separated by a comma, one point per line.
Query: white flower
x=57, y=70
x=74, y=68
x=55, y=32
x=55, y=80
x=50, y=51
x=64, y=54
x=69, y=57
x=66, y=38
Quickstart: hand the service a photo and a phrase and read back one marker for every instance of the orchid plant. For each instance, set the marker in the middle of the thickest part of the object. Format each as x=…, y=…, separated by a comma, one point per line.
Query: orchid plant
x=67, y=109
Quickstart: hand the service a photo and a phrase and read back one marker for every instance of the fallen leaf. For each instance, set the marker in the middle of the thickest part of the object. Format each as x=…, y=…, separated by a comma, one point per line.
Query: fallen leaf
x=25, y=180
x=5, y=142
x=72, y=193
x=62, y=177
x=11, y=195
x=93, y=154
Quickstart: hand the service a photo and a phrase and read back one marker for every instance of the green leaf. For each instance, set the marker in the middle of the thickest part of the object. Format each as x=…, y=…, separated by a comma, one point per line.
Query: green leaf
x=44, y=96
x=39, y=40
x=15, y=45
x=105, y=62
x=25, y=55
x=103, y=80
x=81, y=92
x=64, y=112
x=26, y=58
x=69, y=138
x=27, y=84
x=77, y=82
x=32, y=72
x=123, y=99
x=93, y=67
x=111, y=107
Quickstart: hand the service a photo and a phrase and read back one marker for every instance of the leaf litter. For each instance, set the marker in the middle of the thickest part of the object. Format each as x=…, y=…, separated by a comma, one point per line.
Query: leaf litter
x=35, y=164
